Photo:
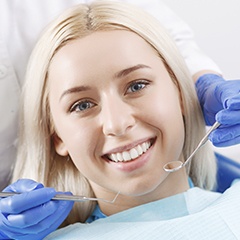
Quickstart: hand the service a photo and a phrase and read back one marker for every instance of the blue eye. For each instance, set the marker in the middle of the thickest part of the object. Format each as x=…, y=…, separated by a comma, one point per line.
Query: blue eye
x=81, y=106
x=137, y=86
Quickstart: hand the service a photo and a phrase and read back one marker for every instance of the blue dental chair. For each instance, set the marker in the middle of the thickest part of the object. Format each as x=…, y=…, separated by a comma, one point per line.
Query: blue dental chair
x=227, y=171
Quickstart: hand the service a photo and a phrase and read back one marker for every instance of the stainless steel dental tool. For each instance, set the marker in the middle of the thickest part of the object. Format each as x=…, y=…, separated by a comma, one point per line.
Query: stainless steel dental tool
x=174, y=166
x=65, y=197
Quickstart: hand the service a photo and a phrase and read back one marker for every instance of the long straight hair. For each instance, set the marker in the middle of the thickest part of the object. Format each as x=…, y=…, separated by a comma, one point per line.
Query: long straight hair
x=37, y=158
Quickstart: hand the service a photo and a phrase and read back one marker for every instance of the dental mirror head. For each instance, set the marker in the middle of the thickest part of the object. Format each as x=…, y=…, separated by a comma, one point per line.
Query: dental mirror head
x=174, y=166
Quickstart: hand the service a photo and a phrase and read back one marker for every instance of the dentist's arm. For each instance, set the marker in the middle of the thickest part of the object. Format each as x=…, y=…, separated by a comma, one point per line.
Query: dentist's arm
x=32, y=214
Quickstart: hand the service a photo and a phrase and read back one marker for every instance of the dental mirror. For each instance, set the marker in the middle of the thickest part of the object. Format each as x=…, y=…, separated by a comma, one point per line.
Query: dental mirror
x=174, y=166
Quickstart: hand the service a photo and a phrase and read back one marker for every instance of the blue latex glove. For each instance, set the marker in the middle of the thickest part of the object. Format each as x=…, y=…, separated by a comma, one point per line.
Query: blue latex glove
x=220, y=101
x=32, y=214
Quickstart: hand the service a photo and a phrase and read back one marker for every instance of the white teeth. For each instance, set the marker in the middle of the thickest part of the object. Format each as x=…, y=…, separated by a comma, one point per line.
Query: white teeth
x=126, y=156
x=139, y=149
x=131, y=154
x=144, y=147
x=113, y=157
x=134, y=153
x=119, y=157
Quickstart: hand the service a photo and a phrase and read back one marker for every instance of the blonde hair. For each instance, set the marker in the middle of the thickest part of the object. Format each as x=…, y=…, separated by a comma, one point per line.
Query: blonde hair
x=37, y=158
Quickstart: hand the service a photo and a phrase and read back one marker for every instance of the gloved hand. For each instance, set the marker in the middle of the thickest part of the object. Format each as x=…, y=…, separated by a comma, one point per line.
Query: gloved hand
x=220, y=101
x=32, y=214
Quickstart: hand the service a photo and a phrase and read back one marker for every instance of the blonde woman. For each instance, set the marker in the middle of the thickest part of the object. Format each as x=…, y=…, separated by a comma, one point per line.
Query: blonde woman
x=107, y=102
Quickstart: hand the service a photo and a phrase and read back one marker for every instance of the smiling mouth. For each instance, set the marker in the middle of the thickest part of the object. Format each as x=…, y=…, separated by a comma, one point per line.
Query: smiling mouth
x=131, y=154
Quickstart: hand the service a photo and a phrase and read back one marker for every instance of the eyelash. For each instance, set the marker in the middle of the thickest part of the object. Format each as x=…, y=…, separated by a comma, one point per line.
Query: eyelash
x=75, y=106
x=134, y=83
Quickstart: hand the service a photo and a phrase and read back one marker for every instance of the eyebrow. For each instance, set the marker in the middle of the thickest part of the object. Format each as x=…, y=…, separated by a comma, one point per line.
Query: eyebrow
x=74, y=90
x=119, y=74
x=127, y=71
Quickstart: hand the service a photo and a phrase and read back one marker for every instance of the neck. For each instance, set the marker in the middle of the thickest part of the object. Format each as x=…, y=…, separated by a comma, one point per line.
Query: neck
x=175, y=183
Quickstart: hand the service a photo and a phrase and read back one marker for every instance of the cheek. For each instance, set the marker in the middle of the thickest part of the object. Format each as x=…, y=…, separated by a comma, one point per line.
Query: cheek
x=78, y=137
x=79, y=141
x=163, y=108
x=164, y=113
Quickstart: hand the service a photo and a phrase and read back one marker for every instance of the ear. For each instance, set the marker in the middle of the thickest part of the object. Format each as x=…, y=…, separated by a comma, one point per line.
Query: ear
x=59, y=145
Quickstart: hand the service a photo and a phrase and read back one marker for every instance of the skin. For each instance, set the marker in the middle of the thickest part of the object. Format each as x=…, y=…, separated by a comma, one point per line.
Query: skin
x=109, y=92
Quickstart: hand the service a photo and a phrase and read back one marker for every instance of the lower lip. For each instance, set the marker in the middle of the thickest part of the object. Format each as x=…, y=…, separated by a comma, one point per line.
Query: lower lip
x=134, y=164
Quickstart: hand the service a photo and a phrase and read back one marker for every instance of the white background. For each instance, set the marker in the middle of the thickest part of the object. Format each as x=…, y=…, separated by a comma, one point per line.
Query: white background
x=216, y=25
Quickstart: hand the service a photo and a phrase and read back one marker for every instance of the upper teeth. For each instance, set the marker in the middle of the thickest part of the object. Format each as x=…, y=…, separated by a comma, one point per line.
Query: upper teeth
x=131, y=154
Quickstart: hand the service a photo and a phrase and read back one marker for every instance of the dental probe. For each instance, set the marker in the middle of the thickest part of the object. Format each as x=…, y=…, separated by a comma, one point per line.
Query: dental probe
x=65, y=197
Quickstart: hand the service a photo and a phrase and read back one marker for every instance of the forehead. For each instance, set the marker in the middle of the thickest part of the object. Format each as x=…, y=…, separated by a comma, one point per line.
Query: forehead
x=96, y=60
x=99, y=47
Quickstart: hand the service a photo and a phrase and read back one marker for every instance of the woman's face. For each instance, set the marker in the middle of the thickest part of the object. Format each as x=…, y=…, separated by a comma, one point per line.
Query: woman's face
x=118, y=115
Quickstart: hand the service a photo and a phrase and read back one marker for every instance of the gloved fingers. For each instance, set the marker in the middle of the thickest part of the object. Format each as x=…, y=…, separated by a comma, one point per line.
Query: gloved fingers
x=21, y=202
x=3, y=236
x=23, y=185
x=61, y=214
x=228, y=143
x=8, y=232
x=18, y=236
x=209, y=117
x=225, y=136
x=233, y=103
x=228, y=117
x=32, y=216
x=15, y=234
x=42, y=227
x=227, y=90
x=35, y=215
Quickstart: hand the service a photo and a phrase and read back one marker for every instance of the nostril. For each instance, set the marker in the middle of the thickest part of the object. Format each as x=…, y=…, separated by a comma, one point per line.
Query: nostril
x=116, y=116
x=118, y=128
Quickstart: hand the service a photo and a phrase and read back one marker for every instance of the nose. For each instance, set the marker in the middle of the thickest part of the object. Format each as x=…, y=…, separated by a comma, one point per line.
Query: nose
x=117, y=117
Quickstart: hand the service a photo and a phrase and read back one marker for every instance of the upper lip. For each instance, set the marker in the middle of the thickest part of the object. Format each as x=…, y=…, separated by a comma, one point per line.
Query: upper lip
x=128, y=146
